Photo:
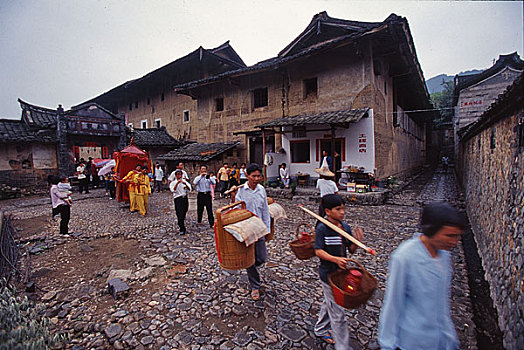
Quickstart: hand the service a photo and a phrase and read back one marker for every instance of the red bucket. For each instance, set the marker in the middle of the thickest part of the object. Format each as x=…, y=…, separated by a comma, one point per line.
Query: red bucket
x=338, y=282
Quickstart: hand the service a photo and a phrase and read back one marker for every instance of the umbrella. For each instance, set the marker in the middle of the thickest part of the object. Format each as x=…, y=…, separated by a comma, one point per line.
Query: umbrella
x=107, y=168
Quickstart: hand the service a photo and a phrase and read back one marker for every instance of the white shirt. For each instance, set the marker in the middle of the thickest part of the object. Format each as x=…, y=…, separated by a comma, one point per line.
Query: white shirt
x=284, y=174
x=184, y=176
x=326, y=187
x=57, y=197
x=181, y=190
x=256, y=202
x=80, y=170
x=159, y=174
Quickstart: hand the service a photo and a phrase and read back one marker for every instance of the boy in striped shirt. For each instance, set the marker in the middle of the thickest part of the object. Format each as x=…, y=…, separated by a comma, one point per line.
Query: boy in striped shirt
x=330, y=247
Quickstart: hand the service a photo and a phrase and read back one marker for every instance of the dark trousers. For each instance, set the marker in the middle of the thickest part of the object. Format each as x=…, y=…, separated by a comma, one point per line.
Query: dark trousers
x=65, y=213
x=181, y=207
x=158, y=186
x=260, y=258
x=83, y=185
x=224, y=186
x=204, y=200
x=112, y=189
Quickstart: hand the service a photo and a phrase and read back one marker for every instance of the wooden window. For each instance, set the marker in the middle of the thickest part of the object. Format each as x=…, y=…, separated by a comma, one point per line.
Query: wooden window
x=300, y=151
x=493, y=140
x=219, y=104
x=186, y=116
x=259, y=98
x=299, y=132
x=310, y=87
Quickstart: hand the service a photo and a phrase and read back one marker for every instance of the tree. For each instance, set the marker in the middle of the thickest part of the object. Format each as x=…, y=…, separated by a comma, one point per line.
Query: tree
x=443, y=100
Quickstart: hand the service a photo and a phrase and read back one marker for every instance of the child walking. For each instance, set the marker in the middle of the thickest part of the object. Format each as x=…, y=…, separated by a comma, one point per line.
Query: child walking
x=330, y=247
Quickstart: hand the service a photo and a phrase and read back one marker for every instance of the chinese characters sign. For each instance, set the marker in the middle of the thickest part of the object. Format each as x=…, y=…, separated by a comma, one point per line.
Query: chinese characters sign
x=471, y=103
x=362, y=143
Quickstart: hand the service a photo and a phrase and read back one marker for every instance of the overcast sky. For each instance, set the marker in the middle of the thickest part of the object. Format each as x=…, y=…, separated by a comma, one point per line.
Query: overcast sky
x=69, y=51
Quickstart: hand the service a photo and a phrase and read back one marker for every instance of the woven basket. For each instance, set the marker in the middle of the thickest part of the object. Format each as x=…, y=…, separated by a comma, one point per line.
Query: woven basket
x=368, y=284
x=271, y=233
x=232, y=254
x=304, y=250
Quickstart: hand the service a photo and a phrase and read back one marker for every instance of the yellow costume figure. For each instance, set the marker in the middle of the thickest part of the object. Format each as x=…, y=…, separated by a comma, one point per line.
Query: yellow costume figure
x=142, y=191
x=129, y=180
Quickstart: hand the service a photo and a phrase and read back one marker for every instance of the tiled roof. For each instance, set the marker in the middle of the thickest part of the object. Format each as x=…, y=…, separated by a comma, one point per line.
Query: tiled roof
x=38, y=116
x=158, y=137
x=269, y=63
x=199, y=151
x=18, y=131
x=335, y=117
x=350, y=31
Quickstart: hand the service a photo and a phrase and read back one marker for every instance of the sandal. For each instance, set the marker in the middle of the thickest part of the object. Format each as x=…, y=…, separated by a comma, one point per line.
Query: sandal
x=255, y=294
x=327, y=338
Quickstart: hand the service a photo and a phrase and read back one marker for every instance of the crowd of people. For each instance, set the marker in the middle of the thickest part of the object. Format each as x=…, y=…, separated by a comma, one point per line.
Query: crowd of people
x=415, y=313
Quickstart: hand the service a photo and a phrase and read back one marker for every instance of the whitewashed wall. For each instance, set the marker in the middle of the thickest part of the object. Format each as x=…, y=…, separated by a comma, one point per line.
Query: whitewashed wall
x=353, y=155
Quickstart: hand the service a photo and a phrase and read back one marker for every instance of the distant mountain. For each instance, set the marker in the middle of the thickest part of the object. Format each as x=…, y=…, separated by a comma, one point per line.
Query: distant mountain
x=435, y=84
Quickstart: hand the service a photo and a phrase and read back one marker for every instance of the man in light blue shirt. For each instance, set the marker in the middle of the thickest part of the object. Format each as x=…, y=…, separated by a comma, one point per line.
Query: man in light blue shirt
x=416, y=311
x=203, y=184
x=255, y=197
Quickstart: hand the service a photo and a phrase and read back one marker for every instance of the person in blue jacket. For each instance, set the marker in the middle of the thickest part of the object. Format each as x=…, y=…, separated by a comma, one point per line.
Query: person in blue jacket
x=326, y=161
x=416, y=310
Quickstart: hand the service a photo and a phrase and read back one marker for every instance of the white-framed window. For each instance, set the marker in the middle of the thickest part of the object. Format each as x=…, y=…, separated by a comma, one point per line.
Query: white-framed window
x=186, y=116
x=143, y=123
x=158, y=123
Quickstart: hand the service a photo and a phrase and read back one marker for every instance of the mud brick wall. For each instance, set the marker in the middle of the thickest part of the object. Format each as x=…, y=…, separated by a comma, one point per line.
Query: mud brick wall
x=493, y=178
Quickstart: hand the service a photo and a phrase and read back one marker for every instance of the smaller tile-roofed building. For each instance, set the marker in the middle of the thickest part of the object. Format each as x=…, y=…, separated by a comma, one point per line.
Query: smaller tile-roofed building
x=18, y=131
x=474, y=93
x=156, y=141
x=342, y=117
x=152, y=137
x=199, y=152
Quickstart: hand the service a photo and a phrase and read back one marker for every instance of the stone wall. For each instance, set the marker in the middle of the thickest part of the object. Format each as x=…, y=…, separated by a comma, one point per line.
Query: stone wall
x=492, y=173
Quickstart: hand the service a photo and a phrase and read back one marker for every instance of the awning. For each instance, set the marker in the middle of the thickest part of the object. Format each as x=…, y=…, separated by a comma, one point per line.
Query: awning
x=336, y=118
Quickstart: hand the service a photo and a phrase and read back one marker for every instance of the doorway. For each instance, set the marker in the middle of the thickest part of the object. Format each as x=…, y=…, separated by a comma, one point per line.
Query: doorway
x=256, y=153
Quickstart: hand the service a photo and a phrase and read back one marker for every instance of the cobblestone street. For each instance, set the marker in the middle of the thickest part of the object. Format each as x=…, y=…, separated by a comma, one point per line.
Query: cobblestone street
x=181, y=299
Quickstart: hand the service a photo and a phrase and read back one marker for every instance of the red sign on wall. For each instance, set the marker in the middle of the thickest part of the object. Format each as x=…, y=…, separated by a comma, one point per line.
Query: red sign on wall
x=471, y=103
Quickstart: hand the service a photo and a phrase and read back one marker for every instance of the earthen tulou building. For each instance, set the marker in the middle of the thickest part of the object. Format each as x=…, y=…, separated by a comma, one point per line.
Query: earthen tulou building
x=339, y=77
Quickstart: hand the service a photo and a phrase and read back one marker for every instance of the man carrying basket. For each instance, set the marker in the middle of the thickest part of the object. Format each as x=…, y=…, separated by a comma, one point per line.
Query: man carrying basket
x=255, y=197
x=330, y=247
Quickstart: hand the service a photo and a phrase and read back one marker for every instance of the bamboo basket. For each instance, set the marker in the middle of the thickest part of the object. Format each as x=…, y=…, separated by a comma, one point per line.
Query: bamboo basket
x=368, y=284
x=271, y=233
x=232, y=254
x=304, y=250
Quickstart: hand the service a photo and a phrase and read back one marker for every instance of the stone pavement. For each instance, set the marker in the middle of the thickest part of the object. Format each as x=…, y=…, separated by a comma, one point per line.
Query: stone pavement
x=181, y=299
